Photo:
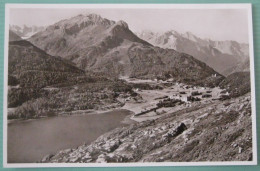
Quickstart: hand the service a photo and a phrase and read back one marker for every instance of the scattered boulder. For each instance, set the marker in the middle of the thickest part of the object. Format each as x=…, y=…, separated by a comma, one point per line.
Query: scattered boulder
x=47, y=158
x=206, y=95
x=175, y=131
x=224, y=97
x=195, y=93
x=101, y=158
x=192, y=99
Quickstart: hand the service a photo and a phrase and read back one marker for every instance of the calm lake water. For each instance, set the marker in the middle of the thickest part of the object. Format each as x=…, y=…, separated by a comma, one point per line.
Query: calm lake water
x=29, y=141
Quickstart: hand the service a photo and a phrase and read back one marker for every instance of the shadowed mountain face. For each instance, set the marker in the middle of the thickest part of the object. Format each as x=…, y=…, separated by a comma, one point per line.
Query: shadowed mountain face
x=242, y=66
x=237, y=84
x=30, y=69
x=13, y=36
x=98, y=44
x=223, y=56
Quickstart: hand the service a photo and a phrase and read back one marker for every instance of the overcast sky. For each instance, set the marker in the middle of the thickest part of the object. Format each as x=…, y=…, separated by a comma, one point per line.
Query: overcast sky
x=216, y=24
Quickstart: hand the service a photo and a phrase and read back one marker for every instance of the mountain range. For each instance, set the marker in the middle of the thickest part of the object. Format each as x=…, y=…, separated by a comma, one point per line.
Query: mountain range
x=97, y=44
x=225, y=57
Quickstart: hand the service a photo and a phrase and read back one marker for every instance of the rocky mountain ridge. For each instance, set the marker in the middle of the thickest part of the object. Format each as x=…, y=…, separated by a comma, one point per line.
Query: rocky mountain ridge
x=220, y=55
x=101, y=45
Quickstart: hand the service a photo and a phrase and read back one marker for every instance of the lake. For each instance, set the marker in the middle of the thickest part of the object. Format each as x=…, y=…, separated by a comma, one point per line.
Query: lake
x=29, y=141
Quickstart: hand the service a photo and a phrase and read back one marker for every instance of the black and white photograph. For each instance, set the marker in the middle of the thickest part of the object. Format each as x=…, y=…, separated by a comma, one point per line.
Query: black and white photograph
x=129, y=85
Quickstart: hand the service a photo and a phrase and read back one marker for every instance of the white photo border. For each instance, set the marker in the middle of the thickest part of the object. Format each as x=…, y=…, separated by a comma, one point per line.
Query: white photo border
x=246, y=6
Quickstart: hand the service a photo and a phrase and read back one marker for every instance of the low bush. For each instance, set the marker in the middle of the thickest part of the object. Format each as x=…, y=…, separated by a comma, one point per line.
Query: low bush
x=18, y=96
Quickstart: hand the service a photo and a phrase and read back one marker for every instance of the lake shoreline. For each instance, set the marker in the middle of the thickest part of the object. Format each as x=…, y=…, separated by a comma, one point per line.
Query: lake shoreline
x=75, y=113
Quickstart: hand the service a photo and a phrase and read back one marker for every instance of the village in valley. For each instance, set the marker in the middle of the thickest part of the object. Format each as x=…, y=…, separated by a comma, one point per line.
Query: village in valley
x=166, y=97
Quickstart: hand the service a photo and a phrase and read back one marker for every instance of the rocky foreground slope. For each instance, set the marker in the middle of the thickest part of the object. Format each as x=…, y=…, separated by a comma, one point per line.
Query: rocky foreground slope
x=220, y=131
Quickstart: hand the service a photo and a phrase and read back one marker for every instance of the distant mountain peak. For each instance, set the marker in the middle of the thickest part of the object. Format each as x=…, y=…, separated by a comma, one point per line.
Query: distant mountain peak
x=190, y=36
x=94, y=16
x=174, y=32
x=26, y=31
x=220, y=55
x=83, y=20
x=81, y=32
x=122, y=23
x=189, y=33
